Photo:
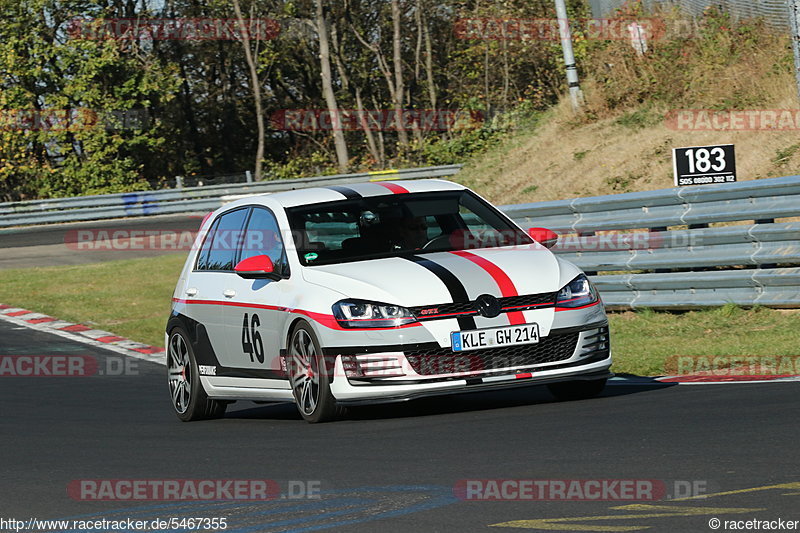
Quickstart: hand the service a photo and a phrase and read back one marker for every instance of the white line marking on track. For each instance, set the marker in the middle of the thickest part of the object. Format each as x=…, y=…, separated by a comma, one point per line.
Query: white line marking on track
x=791, y=379
x=643, y=381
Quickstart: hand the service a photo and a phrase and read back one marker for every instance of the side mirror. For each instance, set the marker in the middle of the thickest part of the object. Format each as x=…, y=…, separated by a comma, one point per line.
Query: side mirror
x=256, y=267
x=544, y=236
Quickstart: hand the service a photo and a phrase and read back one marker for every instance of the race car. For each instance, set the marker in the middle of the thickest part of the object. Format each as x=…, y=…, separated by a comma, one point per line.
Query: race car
x=376, y=292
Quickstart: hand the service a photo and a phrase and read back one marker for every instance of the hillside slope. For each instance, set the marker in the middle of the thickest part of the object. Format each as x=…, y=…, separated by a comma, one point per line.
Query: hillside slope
x=560, y=159
x=623, y=141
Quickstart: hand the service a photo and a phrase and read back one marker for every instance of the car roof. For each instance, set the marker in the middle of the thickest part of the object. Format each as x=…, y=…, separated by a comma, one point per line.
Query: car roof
x=332, y=193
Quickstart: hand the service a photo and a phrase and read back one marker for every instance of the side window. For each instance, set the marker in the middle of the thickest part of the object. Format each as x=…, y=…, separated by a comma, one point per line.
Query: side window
x=328, y=234
x=485, y=228
x=202, y=257
x=432, y=227
x=219, y=248
x=473, y=221
x=263, y=237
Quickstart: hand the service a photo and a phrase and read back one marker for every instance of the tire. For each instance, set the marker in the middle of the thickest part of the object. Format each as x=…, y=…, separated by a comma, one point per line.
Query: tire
x=189, y=400
x=310, y=377
x=577, y=390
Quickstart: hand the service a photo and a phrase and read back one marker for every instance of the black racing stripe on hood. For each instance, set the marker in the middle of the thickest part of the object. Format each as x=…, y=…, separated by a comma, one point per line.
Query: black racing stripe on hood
x=456, y=289
x=348, y=193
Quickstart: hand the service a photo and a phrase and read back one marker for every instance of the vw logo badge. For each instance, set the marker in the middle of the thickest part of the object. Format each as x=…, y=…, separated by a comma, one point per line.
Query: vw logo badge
x=488, y=305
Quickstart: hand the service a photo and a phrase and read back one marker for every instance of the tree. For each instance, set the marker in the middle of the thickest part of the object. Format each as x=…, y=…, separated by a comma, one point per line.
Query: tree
x=255, y=85
x=321, y=25
x=68, y=102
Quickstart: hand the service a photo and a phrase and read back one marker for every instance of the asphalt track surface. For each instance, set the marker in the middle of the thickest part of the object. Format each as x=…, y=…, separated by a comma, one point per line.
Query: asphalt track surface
x=56, y=244
x=393, y=468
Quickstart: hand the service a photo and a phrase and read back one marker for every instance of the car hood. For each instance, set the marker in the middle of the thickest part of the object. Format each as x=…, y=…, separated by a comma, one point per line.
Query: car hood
x=427, y=279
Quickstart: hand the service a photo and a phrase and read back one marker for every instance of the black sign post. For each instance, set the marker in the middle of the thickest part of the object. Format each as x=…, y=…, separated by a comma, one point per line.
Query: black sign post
x=701, y=165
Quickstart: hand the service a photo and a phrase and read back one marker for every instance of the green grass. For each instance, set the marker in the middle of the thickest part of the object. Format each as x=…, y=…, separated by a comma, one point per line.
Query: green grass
x=483, y=169
x=640, y=118
x=642, y=341
x=132, y=298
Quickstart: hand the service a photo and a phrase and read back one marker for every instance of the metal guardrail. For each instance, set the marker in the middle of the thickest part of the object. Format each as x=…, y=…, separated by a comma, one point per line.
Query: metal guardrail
x=685, y=259
x=677, y=255
x=186, y=200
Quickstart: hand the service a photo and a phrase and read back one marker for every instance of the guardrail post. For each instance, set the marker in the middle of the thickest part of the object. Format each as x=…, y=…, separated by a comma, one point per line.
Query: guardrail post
x=179, y=182
x=249, y=176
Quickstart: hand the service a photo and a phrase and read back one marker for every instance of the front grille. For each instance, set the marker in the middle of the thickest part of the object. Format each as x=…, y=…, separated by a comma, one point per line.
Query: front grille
x=436, y=361
x=509, y=303
x=530, y=300
x=444, y=309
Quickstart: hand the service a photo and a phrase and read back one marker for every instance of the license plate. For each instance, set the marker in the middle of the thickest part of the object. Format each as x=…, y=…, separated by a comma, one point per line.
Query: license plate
x=463, y=341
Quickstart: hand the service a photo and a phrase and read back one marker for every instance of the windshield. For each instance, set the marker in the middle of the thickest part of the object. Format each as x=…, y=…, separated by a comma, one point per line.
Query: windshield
x=396, y=225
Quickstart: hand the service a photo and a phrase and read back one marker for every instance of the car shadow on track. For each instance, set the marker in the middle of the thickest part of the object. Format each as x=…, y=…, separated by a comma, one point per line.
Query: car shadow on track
x=439, y=405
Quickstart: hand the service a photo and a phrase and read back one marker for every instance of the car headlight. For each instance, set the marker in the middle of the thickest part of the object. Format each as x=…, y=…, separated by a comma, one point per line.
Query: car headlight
x=577, y=293
x=364, y=314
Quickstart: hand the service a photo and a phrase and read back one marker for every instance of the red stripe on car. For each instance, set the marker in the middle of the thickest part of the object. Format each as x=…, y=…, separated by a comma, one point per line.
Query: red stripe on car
x=505, y=284
x=576, y=308
x=329, y=321
x=395, y=188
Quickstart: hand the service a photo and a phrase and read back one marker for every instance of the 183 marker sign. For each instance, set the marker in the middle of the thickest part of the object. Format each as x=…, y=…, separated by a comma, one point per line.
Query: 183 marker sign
x=701, y=165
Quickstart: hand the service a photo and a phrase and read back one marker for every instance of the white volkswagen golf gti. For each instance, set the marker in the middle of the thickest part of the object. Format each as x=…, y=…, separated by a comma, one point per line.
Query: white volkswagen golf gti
x=376, y=292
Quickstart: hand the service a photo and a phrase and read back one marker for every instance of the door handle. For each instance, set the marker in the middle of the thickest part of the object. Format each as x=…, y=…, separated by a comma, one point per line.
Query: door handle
x=229, y=293
x=191, y=292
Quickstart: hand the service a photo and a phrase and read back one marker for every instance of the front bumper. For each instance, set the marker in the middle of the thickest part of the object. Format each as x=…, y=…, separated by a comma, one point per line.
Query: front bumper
x=579, y=353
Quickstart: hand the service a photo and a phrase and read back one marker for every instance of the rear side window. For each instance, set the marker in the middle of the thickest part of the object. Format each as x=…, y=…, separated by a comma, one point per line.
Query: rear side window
x=263, y=237
x=225, y=236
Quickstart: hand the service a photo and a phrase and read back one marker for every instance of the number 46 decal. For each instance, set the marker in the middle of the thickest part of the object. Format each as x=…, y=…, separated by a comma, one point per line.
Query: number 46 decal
x=251, y=338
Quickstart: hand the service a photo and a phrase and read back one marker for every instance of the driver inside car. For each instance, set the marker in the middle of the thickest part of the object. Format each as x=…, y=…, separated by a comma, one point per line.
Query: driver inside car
x=411, y=233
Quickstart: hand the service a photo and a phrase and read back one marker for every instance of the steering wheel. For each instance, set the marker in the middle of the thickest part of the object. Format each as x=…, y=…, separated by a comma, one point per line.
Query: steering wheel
x=431, y=242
